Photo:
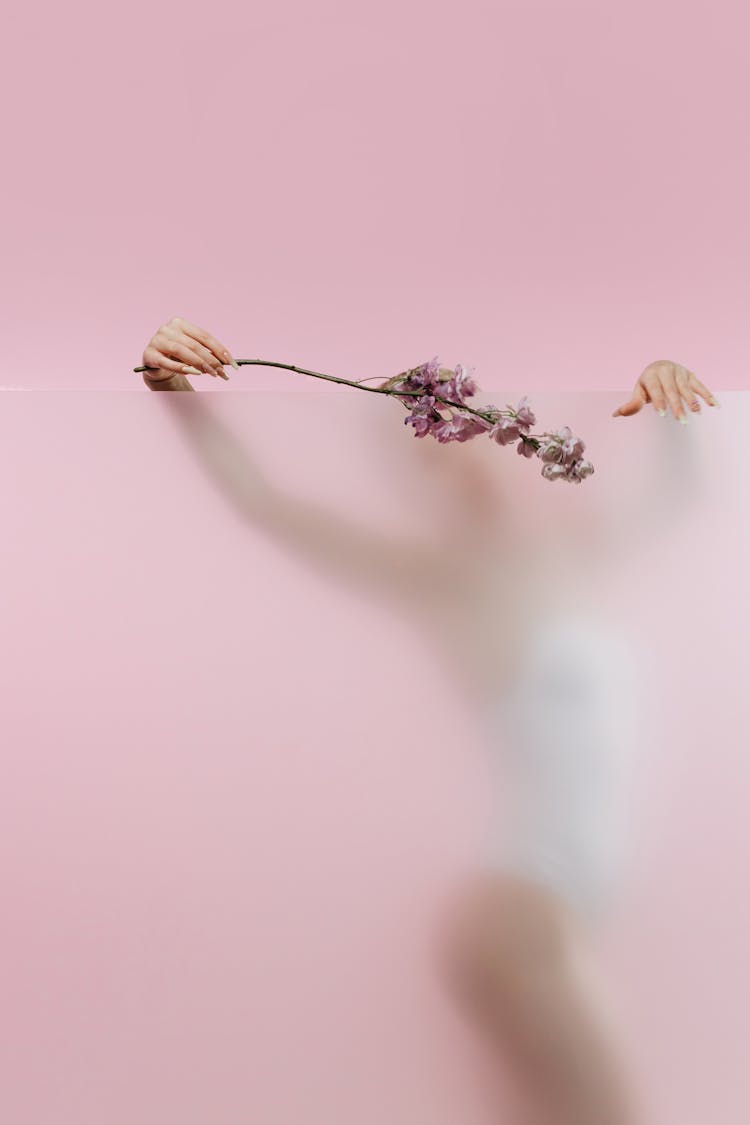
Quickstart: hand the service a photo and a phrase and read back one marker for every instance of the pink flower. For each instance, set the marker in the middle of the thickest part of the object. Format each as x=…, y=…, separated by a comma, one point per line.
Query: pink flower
x=505, y=431
x=477, y=425
x=524, y=414
x=553, y=472
x=425, y=376
x=550, y=451
x=574, y=473
x=423, y=415
x=572, y=449
x=560, y=452
x=579, y=470
x=462, y=383
x=525, y=448
x=432, y=368
x=422, y=424
x=459, y=427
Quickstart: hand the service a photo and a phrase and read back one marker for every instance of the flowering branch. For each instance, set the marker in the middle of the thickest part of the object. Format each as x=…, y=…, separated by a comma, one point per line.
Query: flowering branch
x=422, y=388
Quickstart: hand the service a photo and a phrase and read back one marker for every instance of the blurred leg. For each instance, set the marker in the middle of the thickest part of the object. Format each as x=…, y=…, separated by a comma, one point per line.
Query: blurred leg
x=520, y=960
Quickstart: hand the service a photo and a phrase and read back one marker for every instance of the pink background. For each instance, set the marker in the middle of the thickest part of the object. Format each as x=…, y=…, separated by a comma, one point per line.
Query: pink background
x=237, y=788
x=553, y=192
x=219, y=906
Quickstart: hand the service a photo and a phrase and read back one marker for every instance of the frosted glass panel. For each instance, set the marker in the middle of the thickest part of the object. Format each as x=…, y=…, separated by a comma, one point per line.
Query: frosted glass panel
x=280, y=677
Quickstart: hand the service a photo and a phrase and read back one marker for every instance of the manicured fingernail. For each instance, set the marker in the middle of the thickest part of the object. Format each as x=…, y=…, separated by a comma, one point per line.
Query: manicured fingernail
x=192, y=371
x=715, y=402
x=234, y=362
x=661, y=413
x=223, y=374
x=683, y=420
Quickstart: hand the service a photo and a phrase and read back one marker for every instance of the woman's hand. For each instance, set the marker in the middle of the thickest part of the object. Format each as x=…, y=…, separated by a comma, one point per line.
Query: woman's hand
x=179, y=347
x=664, y=382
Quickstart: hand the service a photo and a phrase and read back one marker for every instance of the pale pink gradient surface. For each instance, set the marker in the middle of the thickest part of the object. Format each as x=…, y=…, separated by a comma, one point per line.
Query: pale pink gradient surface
x=221, y=867
x=554, y=192
x=237, y=789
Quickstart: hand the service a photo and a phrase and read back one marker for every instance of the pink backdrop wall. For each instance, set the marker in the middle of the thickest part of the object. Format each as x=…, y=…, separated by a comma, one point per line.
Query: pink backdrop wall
x=555, y=192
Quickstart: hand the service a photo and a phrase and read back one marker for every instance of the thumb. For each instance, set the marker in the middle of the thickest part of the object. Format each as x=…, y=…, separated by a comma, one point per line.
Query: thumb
x=633, y=405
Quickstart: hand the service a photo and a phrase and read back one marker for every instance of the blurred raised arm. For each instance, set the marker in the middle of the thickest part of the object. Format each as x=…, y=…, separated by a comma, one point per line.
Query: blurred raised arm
x=408, y=569
x=667, y=482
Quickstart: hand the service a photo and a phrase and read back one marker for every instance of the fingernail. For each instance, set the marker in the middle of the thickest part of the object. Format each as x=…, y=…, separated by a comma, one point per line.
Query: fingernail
x=661, y=413
x=683, y=420
x=192, y=371
x=715, y=402
x=223, y=374
x=234, y=362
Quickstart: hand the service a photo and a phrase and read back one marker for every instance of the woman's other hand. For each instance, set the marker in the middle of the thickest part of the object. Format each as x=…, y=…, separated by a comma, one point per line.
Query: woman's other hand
x=181, y=348
x=662, y=383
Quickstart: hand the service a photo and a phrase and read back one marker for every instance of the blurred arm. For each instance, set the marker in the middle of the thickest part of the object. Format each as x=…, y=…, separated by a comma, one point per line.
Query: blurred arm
x=658, y=500
x=408, y=569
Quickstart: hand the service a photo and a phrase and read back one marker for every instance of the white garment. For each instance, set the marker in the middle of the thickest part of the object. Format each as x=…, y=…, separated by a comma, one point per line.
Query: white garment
x=563, y=736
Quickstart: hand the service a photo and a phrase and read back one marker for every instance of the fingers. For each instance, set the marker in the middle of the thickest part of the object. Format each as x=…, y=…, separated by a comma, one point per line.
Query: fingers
x=177, y=344
x=681, y=388
x=685, y=386
x=155, y=359
x=634, y=404
x=699, y=388
x=669, y=383
x=205, y=340
x=180, y=346
x=659, y=386
x=655, y=391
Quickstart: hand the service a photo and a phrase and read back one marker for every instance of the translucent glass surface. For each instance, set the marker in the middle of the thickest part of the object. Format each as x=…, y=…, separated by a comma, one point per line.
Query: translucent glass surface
x=281, y=677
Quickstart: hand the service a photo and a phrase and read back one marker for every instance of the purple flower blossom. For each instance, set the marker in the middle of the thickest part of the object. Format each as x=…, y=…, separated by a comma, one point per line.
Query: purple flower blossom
x=459, y=427
x=505, y=431
x=424, y=377
x=572, y=449
x=550, y=451
x=462, y=383
x=575, y=472
x=448, y=430
x=525, y=448
x=552, y=471
x=447, y=389
x=560, y=452
x=579, y=470
x=524, y=414
x=477, y=425
x=423, y=414
x=432, y=369
x=420, y=423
